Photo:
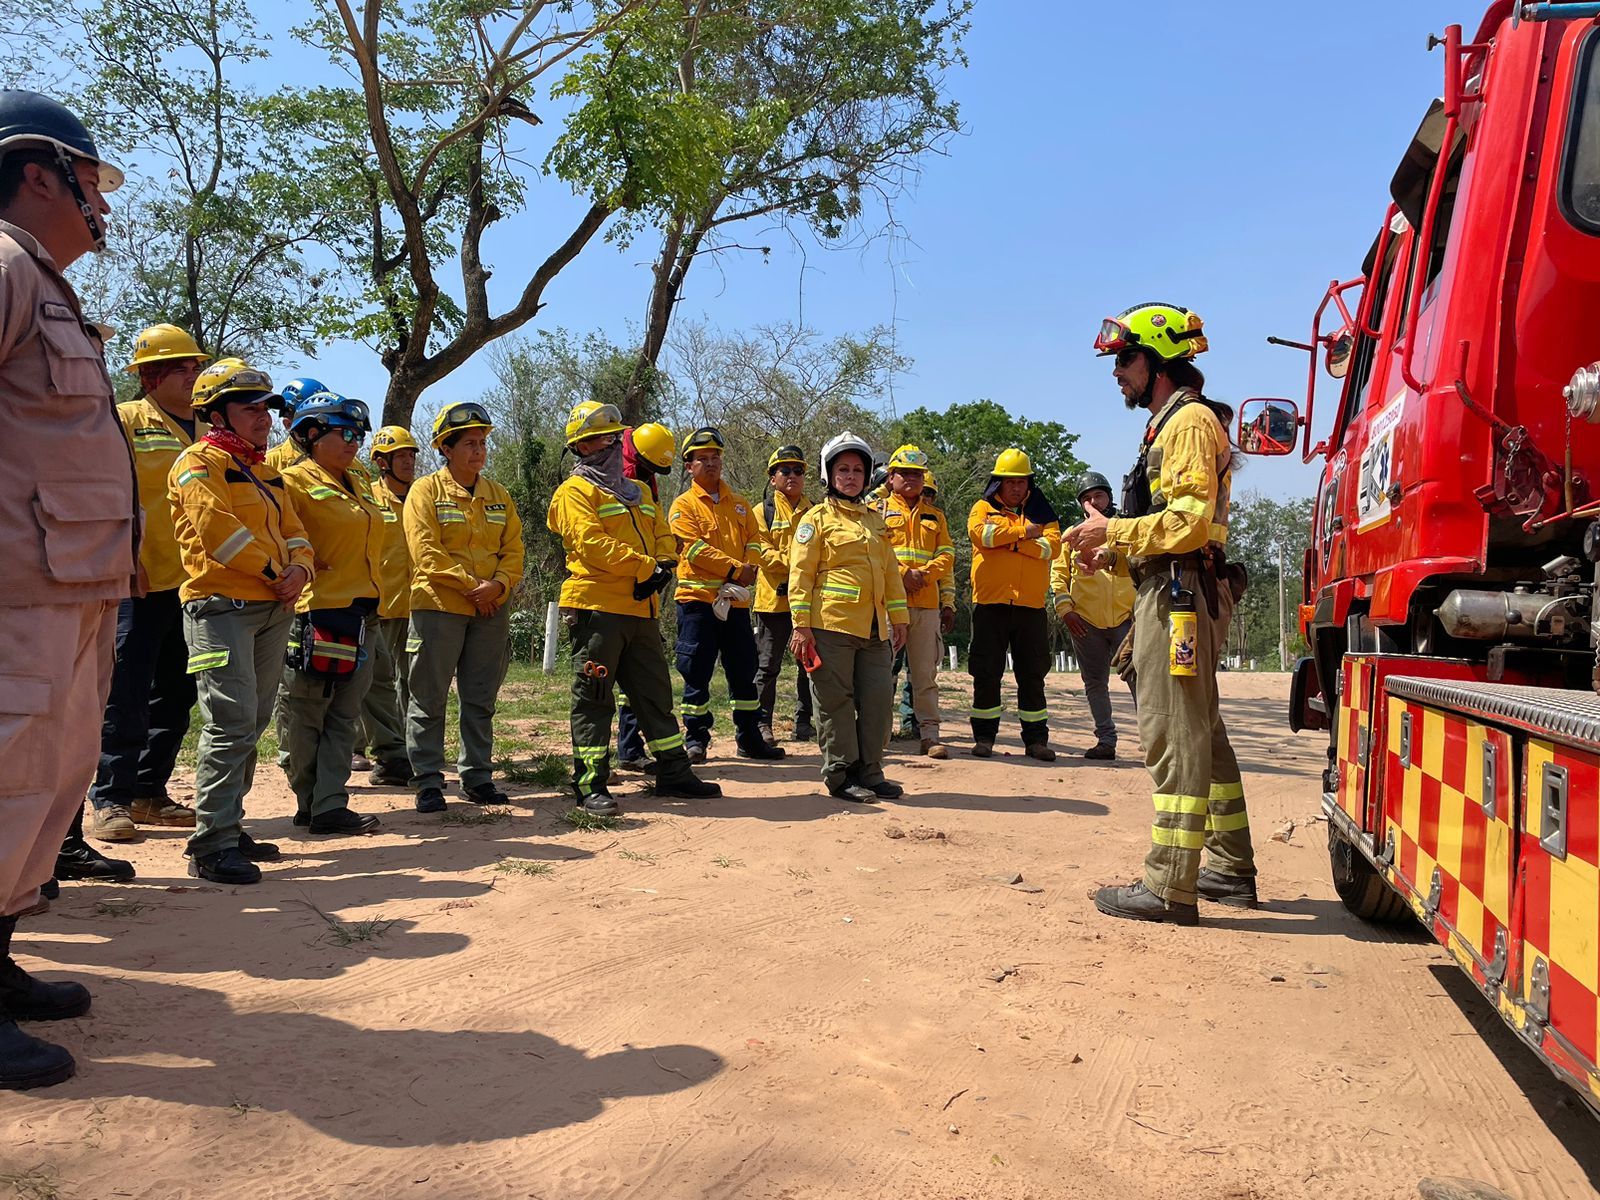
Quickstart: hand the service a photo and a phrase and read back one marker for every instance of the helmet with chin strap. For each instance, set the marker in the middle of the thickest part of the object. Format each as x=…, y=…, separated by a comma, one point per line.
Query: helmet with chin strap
x=845, y=443
x=30, y=121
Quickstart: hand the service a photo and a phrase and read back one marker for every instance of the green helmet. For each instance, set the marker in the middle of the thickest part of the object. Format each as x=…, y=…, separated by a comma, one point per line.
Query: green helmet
x=1094, y=481
x=1167, y=331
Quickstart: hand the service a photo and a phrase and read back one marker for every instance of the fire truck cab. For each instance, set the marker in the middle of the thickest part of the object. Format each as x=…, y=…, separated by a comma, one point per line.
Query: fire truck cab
x=1451, y=575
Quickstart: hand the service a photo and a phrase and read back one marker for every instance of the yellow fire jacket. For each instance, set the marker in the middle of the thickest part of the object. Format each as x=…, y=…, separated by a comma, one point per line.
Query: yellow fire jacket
x=345, y=525
x=394, y=584
x=842, y=572
x=456, y=538
x=1189, y=485
x=610, y=547
x=157, y=440
x=284, y=455
x=237, y=530
x=921, y=538
x=716, y=537
x=1104, y=598
x=1007, y=567
x=775, y=541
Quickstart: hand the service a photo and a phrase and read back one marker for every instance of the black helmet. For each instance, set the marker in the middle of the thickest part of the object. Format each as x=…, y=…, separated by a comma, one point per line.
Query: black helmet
x=1094, y=481
x=29, y=120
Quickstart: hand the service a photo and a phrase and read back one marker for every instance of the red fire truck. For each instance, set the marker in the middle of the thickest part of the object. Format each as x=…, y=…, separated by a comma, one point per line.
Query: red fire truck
x=1451, y=577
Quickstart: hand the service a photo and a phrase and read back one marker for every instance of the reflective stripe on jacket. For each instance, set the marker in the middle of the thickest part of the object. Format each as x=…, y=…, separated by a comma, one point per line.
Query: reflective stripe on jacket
x=842, y=572
x=237, y=528
x=1189, y=467
x=347, y=533
x=157, y=439
x=394, y=584
x=1007, y=566
x=921, y=538
x=714, y=538
x=610, y=547
x=1103, y=598
x=775, y=542
x=457, y=538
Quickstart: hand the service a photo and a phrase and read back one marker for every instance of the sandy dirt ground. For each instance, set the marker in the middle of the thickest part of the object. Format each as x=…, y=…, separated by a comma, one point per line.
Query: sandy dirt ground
x=776, y=996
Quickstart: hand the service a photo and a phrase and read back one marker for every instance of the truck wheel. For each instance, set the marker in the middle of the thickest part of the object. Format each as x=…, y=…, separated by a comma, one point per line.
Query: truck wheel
x=1360, y=886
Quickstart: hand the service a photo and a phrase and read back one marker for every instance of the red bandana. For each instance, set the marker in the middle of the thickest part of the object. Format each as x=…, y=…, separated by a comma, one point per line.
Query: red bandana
x=235, y=445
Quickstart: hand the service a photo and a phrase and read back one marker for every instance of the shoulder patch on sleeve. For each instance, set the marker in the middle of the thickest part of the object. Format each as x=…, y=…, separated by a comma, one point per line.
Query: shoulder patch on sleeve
x=805, y=533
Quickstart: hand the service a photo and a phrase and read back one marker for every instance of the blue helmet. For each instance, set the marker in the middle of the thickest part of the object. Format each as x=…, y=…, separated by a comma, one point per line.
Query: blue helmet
x=331, y=411
x=297, y=390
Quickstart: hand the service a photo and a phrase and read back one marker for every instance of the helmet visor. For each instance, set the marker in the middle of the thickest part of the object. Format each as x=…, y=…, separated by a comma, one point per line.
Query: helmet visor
x=1114, y=335
x=462, y=416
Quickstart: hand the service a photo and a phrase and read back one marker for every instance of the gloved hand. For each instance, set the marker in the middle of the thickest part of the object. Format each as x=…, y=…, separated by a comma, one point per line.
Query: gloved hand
x=659, y=578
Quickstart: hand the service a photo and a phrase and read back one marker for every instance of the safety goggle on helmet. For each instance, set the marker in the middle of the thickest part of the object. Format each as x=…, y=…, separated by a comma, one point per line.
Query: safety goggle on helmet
x=1166, y=330
x=460, y=417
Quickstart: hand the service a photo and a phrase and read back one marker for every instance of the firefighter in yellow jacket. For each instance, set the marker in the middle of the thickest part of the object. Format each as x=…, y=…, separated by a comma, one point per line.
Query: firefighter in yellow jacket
x=1097, y=609
x=383, y=712
x=465, y=539
x=927, y=557
x=776, y=517
x=1173, y=527
x=286, y=453
x=329, y=662
x=620, y=558
x=719, y=560
x=1015, y=536
x=246, y=559
x=849, y=609
x=147, y=714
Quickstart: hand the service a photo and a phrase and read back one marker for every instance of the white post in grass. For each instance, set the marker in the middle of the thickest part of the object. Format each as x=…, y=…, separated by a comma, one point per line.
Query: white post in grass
x=552, y=636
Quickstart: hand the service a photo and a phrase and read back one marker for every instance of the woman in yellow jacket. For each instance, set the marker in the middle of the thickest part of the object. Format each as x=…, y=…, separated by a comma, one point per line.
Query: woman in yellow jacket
x=330, y=664
x=849, y=610
x=465, y=540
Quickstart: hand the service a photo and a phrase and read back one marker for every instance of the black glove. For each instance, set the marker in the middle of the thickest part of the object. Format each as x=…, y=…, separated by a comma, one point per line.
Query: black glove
x=783, y=588
x=659, y=578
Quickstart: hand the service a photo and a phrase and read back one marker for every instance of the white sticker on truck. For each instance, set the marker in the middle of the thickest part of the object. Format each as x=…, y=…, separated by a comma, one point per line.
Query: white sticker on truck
x=1376, y=487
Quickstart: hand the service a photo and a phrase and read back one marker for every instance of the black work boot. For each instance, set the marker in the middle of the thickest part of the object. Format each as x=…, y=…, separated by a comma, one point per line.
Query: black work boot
x=24, y=998
x=804, y=730
x=485, y=793
x=343, y=820
x=689, y=787
x=1137, y=903
x=430, y=800
x=1236, y=891
x=760, y=750
x=1105, y=751
x=390, y=772
x=601, y=804
x=77, y=859
x=886, y=789
x=224, y=866
x=26, y=1062
x=258, y=852
x=854, y=792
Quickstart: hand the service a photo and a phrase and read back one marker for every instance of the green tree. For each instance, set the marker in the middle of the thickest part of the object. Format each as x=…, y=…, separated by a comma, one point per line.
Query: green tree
x=210, y=234
x=1258, y=527
x=775, y=110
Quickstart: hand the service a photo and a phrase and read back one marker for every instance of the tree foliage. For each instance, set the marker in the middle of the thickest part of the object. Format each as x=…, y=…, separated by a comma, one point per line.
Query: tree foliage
x=210, y=234
x=1257, y=527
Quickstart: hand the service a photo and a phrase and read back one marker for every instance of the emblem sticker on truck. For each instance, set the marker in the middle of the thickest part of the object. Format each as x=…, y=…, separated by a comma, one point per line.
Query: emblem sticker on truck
x=1376, y=487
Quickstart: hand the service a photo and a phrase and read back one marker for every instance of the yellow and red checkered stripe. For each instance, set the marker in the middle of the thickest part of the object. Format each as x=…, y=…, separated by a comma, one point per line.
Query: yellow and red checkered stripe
x=1560, y=906
x=1436, y=820
x=1355, y=719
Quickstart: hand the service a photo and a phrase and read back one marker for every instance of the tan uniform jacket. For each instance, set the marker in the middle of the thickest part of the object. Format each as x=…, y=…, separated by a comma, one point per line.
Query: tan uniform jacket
x=68, y=500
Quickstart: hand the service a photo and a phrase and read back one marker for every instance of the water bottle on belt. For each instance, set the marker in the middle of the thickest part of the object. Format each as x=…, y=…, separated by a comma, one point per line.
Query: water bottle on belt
x=1183, y=628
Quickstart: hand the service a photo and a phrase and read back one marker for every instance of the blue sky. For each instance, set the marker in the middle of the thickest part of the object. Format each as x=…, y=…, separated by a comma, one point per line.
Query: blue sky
x=1228, y=157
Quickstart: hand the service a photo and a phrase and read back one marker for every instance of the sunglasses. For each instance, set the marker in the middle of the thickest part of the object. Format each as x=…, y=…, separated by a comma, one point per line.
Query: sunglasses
x=1126, y=358
x=348, y=435
x=788, y=469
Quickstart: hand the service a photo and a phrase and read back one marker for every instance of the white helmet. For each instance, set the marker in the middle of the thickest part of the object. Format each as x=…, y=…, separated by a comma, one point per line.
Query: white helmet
x=846, y=441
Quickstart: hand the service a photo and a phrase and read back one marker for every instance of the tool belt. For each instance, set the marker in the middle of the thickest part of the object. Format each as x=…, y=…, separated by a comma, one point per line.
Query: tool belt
x=1211, y=565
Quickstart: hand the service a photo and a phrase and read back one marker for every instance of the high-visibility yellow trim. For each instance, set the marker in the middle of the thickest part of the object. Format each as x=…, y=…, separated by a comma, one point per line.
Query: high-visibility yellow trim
x=1193, y=806
x=1192, y=505
x=1227, y=822
x=1182, y=839
x=207, y=660
x=297, y=543
x=1033, y=714
x=987, y=714
x=1228, y=791
x=612, y=509
x=413, y=643
x=666, y=743
x=696, y=710
x=234, y=546
x=747, y=706
x=989, y=531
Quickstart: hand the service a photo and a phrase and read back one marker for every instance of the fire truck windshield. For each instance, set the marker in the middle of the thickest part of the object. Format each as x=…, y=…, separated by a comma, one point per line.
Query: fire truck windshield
x=1580, y=183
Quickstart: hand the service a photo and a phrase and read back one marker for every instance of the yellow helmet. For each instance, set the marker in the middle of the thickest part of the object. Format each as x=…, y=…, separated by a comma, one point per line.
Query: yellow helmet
x=231, y=377
x=786, y=454
x=707, y=437
x=655, y=442
x=1166, y=330
x=456, y=418
x=591, y=419
x=160, y=343
x=913, y=458
x=929, y=483
x=391, y=438
x=1012, y=464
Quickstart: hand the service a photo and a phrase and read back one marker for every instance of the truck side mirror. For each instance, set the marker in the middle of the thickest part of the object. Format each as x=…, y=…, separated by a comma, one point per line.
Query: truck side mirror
x=1340, y=347
x=1269, y=427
